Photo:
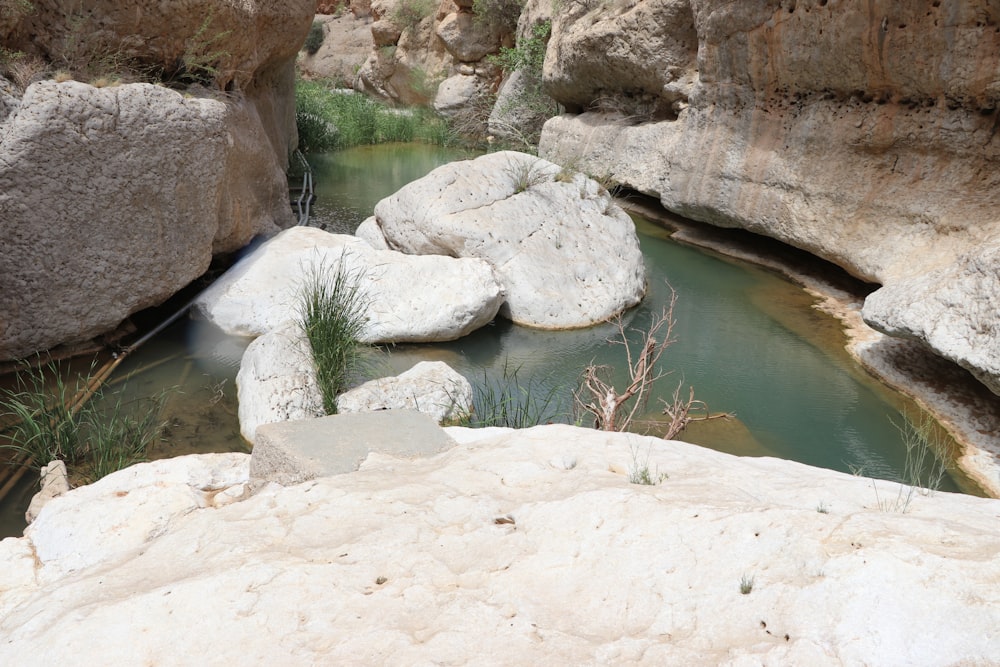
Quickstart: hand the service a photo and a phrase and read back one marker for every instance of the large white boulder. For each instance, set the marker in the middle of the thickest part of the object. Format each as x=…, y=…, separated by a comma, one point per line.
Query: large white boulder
x=430, y=387
x=568, y=256
x=277, y=383
x=409, y=299
x=952, y=309
x=277, y=380
x=524, y=547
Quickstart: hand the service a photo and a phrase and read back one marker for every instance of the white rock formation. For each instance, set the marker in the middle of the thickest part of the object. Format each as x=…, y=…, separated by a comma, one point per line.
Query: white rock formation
x=409, y=299
x=455, y=93
x=277, y=381
x=866, y=138
x=953, y=309
x=430, y=387
x=520, y=547
x=567, y=254
x=54, y=482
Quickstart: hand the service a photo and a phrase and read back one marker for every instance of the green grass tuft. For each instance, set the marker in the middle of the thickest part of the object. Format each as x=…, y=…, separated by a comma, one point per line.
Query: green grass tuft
x=328, y=120
x=510, y=402
x=95, y=437
x=332, y=309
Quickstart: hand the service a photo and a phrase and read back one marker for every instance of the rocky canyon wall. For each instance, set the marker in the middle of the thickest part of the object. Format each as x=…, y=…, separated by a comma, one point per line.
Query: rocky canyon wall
x=862, y=132
x=117, y=188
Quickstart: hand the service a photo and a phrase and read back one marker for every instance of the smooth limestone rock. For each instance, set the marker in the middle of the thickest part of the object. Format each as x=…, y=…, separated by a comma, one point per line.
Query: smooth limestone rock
x=409, y=299
x=467, y=38
x=568, y=256
x=346, y=45
x=864, y=134
x=456, y=92
x=54, y=482
x=430, y=387
x=276, y=381
x=524, y=547
x=293, y=452
x=952, y=309
x=115, y=198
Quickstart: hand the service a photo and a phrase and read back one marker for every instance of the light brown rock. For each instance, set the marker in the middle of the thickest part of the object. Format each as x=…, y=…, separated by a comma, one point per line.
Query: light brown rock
x=115, y=198
x=863, y=134
x=240, y=40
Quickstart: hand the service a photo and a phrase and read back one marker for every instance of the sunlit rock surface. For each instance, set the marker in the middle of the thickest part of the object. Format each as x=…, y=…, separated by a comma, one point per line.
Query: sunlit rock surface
x=517, y=547
x=862, y=133
x=277, y=380
x=567, y=255
x=431, y=387
x=406, y=298
x=952, y=309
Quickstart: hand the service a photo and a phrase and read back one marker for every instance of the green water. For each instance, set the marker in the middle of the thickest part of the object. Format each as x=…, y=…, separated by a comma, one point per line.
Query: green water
x=747, y=341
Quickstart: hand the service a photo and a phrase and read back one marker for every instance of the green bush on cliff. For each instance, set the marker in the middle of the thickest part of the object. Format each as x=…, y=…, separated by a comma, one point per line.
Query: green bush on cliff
x=332, y=120
x=501, y=13
x=408, y=14
x=529, y=53
x=314, y=39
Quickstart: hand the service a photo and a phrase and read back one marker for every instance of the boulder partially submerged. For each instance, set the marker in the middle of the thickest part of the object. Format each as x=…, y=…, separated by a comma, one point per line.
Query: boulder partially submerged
x=530, y=545
x=431, y=387
x=408, y=299
x=567, y=255
x=952, y=309
x=277, y=383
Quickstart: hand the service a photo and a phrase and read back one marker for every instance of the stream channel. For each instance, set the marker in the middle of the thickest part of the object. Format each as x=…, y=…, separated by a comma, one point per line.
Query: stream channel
x=747, y=340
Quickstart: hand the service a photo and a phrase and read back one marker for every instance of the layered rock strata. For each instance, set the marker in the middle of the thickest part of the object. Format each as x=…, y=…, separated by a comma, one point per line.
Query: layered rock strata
x=864, y=133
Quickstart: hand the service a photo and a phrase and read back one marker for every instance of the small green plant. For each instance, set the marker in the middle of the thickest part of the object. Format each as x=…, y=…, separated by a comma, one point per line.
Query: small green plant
x=332, y=307
x=822, y=508
x=314, y=39
x=94, y=432
x=639, y=472
x=510, y=402
x=201, y=58
x=408, y=14
x=527, y=173
x=746, y=584
x=13, y=11
x=529, y=53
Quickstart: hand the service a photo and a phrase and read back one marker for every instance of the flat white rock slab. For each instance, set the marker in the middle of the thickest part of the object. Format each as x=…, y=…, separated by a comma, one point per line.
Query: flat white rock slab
x=528, y=548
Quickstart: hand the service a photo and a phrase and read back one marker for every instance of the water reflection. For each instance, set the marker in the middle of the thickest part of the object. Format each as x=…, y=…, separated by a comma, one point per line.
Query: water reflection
x=747, y=341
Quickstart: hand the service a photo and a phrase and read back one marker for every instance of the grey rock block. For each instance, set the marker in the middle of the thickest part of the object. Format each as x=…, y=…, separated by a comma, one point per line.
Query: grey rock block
x=293, y=452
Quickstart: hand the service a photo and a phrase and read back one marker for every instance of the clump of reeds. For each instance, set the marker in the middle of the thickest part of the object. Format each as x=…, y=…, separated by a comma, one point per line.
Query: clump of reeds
x=48, y=416
x=509, y=401
x=330, y=120
x=332, y=310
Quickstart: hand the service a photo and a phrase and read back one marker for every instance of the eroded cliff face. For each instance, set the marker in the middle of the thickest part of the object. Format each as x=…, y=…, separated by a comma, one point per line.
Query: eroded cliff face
x=114, y=196
x=863, y=132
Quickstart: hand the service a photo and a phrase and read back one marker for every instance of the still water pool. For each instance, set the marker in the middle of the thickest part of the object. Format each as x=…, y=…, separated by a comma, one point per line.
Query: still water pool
x=747, y=340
